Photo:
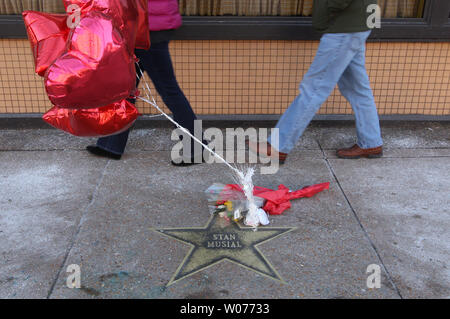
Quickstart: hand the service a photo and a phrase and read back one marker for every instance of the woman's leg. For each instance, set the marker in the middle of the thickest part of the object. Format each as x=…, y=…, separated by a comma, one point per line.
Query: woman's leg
x=158, y=65
x=114, y=143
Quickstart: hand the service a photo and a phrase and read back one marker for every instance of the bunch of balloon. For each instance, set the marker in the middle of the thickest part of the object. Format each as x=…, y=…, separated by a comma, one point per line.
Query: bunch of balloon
x=87, y=60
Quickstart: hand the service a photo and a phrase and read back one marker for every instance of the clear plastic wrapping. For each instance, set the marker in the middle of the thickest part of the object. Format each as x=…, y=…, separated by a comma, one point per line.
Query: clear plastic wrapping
x=220, y=195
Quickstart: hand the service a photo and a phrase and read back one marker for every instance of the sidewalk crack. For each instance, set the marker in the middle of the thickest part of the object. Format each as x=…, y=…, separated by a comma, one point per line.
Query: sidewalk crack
x=77, y=231
x=330, y=168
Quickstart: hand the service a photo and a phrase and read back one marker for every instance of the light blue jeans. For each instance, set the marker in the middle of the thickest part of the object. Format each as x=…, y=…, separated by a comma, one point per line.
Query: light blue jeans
x=340, y=59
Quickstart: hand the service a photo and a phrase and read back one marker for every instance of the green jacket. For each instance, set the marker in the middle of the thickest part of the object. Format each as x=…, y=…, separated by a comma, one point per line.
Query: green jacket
x=341, y=16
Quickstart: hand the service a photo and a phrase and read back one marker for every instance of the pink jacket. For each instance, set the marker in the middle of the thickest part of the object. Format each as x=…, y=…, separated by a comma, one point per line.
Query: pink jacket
x=163, y=15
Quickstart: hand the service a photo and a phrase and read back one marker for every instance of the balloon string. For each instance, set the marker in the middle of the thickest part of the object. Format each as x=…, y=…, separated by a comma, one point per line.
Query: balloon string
x=155, y=105
x=252, y=218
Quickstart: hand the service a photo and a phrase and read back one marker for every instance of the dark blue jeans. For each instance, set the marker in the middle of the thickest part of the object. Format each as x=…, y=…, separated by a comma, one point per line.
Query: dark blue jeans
x=158, y=65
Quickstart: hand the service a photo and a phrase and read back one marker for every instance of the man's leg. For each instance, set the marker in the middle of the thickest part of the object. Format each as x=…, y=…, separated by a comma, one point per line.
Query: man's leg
x=355, y=87
x=335, y=52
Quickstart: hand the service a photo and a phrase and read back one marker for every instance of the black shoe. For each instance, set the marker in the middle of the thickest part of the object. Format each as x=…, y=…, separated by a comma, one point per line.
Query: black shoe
x=102, y=153
x=189, y=162
x=183, y=163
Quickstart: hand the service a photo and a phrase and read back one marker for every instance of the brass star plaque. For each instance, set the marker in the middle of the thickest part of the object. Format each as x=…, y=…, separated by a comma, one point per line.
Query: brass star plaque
x=219, y=241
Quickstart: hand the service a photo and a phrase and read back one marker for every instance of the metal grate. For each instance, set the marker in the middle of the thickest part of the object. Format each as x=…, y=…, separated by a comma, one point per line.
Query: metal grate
x=21, y=90
x=260, y=77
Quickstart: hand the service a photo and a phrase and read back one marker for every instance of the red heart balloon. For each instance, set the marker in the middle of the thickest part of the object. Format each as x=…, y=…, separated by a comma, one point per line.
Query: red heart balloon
x=48, y=35
x=143, y=33
x=97, y=69
x=88, y=62
x=130, y=16
x=97, y=122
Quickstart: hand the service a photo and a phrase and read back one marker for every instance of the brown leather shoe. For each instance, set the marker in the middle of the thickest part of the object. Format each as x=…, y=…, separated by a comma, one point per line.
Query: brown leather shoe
x=266, y=150
x=357, y=152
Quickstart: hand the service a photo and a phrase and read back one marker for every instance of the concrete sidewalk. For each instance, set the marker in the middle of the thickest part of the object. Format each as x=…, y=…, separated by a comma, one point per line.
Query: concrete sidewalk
x=60, y=206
